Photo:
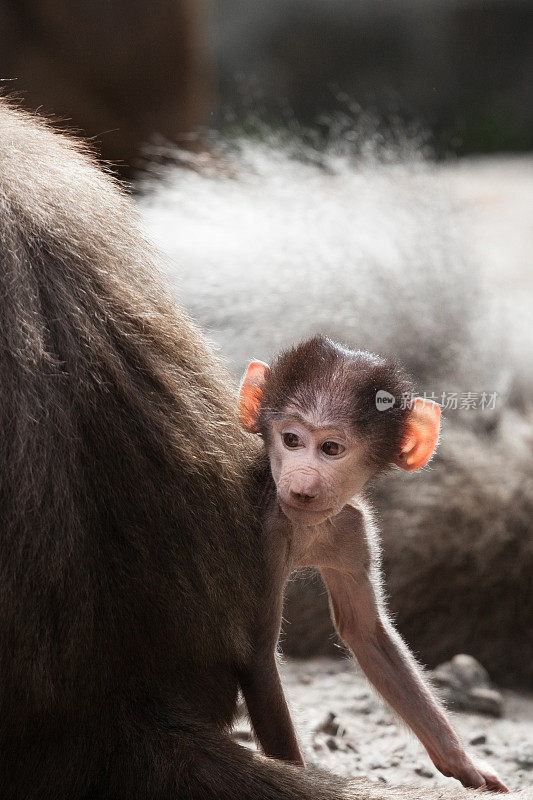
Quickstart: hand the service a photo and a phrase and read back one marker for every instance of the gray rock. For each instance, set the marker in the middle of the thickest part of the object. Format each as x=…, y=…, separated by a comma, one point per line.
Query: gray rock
x=331, y=725
x=479, y=738
x=486, y=701
x=465, y=686
x=424, y=772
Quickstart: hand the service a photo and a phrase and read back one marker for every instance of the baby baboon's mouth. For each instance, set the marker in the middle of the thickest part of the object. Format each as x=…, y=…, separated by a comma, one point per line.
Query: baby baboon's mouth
x=301, y=511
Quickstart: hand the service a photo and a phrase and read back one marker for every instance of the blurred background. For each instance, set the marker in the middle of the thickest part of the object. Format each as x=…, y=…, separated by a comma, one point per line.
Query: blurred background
x=122, y=72
x=462, y=69
x=363, y=169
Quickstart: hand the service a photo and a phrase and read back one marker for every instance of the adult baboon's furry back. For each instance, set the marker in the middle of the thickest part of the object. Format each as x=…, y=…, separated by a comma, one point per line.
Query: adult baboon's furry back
x=126, y=544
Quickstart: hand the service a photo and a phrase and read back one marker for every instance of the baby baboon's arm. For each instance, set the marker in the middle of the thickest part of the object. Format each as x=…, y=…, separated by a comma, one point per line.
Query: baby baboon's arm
x=268, y=710
x=363, y=624
x=260, y=679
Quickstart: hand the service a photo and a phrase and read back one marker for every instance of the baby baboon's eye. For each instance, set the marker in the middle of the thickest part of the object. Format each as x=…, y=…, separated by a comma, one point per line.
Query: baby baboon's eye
x=332, y=448
x=290, y=440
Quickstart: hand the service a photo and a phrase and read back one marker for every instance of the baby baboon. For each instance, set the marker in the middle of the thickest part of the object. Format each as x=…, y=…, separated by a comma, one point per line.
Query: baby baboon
x=332, y=419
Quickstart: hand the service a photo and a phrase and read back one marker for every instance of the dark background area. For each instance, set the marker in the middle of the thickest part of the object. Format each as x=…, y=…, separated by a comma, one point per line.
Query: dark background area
x=462, y=69
x=128, y=72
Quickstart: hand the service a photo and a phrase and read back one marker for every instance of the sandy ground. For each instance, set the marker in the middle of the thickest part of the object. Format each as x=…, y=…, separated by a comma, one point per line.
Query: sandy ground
x=366, y=739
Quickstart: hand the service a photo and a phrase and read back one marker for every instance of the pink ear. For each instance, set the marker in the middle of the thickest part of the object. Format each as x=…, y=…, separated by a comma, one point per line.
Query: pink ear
x=251, y=395
x=421, y=436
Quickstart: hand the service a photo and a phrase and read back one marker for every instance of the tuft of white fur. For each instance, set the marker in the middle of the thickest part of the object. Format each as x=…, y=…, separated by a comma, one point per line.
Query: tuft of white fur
x=284, y=241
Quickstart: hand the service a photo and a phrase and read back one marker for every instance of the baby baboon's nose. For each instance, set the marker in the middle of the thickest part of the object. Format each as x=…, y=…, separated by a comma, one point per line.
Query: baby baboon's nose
x=301, y=497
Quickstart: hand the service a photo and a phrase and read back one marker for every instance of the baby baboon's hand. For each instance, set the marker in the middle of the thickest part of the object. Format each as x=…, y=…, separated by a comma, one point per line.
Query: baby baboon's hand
x=492, y=781
x=472, y=774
